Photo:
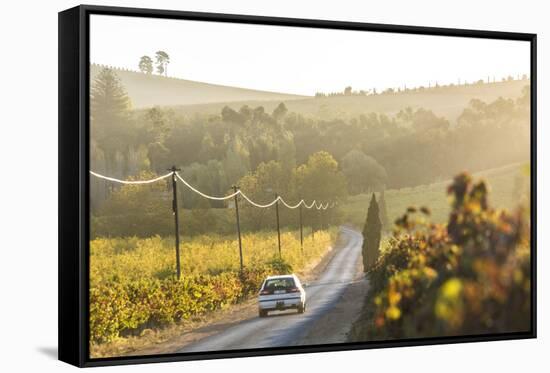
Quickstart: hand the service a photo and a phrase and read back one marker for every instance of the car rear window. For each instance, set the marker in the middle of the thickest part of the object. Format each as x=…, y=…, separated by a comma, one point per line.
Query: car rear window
x=279, y=284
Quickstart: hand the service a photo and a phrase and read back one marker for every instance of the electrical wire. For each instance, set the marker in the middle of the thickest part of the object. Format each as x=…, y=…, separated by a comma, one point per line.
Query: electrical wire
x=131, y=181
x=318, y=206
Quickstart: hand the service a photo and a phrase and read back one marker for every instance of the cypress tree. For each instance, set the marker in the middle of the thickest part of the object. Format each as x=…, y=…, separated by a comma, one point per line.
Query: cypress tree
x=383, y=212
x=372, y=233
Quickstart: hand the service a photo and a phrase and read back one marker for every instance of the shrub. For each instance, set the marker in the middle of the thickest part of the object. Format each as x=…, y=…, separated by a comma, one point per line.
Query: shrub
x=471, y=276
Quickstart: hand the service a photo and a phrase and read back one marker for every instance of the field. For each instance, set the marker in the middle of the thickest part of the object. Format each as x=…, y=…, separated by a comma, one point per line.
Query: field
x=506, y=184
x=133, y=286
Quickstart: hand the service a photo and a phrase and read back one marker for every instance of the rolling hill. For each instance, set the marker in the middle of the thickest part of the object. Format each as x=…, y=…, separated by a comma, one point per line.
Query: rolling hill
x=191, y=97
x=149, y=90
x=508, y=186
x=448, y=102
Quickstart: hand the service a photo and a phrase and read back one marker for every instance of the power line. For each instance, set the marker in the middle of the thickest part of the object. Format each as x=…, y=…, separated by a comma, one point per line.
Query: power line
x=206, y=195
x=314, y=203
x=175, y=176
x=131, y=181
x=302, y=202
x=257, y=204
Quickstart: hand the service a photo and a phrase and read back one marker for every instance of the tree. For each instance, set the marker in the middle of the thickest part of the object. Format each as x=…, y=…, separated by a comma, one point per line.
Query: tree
x=320, y=180
x=157, y=128
x=209, y=178
x=231, y=116
x=261, y=186
x=363, y=173
x=162, y=60
x=109, y=113
x=146, y=64
x=383, y=211
x=237, y=161
x=372, y=233
x=280, y=111
x=422, y=120
x=271, y=179
x=286, y=152
x=136, y=210
x=109, y=128
x=202, y=219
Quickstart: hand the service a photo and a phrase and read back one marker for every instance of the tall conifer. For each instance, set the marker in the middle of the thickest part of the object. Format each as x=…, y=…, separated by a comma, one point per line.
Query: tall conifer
x=372, y=233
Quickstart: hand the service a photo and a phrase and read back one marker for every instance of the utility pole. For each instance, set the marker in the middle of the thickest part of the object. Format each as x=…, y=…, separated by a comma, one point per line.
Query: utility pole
x=301, y=231
x=176, y=219
x=312, y=216
x=278, y=226
x=235, y=188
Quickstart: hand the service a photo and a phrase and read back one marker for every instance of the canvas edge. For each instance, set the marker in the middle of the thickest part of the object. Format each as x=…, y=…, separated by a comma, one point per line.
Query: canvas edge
x=73, y=182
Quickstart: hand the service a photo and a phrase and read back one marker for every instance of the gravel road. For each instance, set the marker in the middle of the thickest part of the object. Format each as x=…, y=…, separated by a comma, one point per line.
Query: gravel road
x=289, y=328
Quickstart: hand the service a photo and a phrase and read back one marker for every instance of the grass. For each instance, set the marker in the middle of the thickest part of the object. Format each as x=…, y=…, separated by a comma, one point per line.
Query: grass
x=507, y=186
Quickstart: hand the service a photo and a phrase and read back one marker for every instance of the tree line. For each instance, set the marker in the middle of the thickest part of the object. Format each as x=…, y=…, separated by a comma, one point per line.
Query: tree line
x=371, y=152
x=348, y=91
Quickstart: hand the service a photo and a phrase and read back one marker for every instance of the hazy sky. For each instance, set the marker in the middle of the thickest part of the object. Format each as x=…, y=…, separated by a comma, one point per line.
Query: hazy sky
x=301, y=60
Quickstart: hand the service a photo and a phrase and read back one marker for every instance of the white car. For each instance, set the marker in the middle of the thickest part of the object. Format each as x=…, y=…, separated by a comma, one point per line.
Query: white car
x=281, y=293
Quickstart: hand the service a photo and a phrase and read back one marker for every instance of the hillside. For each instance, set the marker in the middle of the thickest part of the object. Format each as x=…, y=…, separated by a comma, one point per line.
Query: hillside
x=150, y=90
x=191, y=97
x=448, y=101
x=507, y=185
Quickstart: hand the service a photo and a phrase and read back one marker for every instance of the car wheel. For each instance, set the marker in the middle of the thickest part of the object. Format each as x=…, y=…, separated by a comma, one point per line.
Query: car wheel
x=262, y=313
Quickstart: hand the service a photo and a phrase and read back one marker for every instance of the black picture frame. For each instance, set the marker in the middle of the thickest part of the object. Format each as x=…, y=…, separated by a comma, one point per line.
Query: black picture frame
x=73, y=179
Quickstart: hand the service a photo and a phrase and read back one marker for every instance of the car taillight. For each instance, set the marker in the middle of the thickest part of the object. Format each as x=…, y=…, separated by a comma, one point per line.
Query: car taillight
x=293, y=290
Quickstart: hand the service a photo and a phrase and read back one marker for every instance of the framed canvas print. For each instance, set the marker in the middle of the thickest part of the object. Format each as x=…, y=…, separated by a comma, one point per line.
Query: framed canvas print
x=235, y=186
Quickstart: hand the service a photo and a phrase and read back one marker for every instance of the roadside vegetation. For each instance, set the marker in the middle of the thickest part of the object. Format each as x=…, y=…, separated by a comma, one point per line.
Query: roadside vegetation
x=133, y=287
x=468, y=276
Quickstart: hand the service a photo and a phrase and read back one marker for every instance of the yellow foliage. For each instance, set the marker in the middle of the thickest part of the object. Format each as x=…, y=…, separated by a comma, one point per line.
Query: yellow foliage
x=132, y=282
x=448, y=305
x=393, y=313
x=132, y=258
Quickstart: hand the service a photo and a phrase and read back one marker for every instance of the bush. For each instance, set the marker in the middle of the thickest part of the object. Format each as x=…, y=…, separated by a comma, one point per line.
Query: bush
x=471, y=276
